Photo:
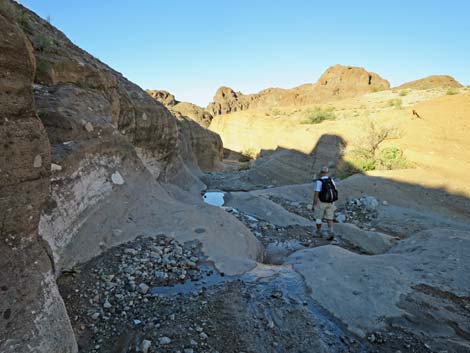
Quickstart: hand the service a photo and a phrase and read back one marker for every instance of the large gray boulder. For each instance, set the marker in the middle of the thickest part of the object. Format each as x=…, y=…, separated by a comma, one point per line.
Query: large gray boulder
x=368, y=242
x=370, y=292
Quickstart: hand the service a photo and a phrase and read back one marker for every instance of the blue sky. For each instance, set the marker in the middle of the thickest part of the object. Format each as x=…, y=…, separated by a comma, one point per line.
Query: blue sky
x=190, y=48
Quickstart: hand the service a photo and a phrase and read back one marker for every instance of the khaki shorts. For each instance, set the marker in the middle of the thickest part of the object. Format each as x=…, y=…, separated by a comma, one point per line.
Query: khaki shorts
x=324, y=210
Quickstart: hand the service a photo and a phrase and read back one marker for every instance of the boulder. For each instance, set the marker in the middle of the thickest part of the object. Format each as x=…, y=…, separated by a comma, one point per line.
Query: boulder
x=370, y=292
x=367, y=241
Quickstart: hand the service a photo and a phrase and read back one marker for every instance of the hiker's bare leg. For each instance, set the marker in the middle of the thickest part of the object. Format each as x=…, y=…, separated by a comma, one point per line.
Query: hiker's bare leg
x=330, y=224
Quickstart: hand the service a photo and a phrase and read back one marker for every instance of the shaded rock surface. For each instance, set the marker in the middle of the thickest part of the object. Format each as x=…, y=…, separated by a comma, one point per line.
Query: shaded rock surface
x=32, y=311
x=367, y=292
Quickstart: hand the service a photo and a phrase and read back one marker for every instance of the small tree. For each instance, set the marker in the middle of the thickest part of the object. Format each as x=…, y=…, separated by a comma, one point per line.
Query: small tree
x=374, y=136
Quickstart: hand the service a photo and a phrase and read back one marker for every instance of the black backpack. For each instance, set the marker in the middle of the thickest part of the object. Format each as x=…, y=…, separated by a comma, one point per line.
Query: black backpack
x=328, y=191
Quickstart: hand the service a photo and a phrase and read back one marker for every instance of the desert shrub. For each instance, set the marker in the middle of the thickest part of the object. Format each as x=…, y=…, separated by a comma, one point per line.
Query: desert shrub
x=24, y=21
x=403, y=93
x=374, y=135
x=276, y=112
x=318, y=115
x=244, y=166
x=247, y=155
x=452, y=91
x=396, y=103
x=367, y=154
x=42, y=68
x=8, y=9
x=45, y=43
x=392, y=158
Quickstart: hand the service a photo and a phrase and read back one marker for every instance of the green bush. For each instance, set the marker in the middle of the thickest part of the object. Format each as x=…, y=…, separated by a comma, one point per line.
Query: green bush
x=360, y=161
x=24, y=21
x=452, y=91
x=396, y=103
x=45, y=43
x=392, y=158
x=319, y=115
x=403, y=93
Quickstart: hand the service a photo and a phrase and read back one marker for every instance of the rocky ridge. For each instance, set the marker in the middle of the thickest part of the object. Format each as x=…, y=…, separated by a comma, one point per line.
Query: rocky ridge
x=337, y=82
x=434, y=81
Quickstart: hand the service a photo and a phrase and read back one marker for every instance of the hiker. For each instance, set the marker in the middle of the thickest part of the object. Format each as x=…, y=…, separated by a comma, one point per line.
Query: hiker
x=323, y=202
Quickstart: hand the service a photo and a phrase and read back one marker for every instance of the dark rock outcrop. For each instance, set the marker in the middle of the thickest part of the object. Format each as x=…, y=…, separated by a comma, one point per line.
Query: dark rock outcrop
x=337, y=82
x=435, y=81
x=32, y=312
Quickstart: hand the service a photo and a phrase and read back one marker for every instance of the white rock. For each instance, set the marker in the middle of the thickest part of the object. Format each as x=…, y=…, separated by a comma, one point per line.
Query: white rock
x=370, y=202
x=37, y=161
x=143, y=288
x=55, y=167
x=164, y=340
x=88, y=127
x=340, y=218
x=146, y=346
x=117, y=178
x=144, y=116
x=107, y=304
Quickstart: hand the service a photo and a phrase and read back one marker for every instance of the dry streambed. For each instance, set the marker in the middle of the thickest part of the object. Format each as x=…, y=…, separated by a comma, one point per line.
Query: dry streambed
x=158, y=295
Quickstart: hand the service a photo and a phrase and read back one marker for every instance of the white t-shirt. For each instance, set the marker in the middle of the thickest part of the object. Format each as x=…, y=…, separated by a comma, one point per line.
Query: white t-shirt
x=318, y=183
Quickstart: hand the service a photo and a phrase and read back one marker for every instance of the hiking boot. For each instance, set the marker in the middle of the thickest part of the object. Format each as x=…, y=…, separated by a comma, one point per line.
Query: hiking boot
x=330, y=235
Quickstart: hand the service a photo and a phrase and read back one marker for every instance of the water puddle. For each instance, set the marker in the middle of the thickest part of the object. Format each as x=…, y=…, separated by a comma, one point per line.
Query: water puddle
x=214, y=198
x=210, y=278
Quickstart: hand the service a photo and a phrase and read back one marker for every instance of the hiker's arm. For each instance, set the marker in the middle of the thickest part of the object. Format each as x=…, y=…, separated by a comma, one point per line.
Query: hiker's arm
x=315, y=198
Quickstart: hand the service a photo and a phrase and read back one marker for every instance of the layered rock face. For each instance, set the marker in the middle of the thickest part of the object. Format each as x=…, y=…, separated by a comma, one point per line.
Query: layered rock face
x=32, y=312
x=336, y=82
x=434, y=81
x=88, y=160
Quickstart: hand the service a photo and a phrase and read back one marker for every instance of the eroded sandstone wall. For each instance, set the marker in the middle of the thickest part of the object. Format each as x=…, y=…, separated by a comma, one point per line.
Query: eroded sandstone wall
x=32, y=314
